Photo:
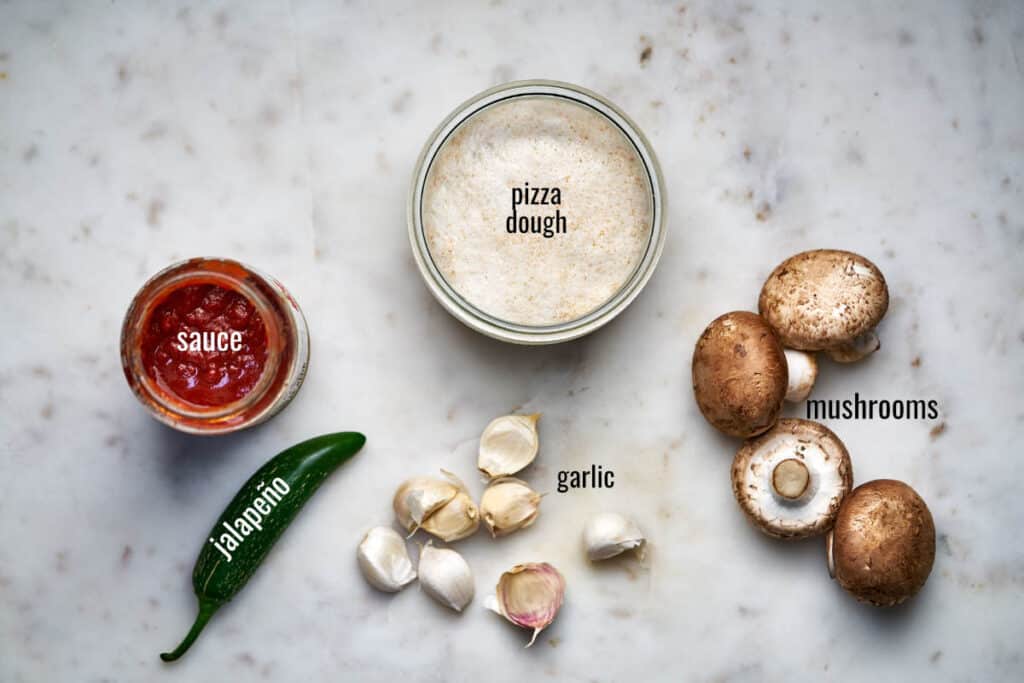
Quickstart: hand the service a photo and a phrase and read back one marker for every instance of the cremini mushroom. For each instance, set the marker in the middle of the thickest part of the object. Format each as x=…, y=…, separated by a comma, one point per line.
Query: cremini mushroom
x=826, y=300
x=791, y=480
x=739, y=374
x=882, y=547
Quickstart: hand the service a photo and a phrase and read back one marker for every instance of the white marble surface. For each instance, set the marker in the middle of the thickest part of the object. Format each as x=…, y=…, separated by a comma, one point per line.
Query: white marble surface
x=284, y=134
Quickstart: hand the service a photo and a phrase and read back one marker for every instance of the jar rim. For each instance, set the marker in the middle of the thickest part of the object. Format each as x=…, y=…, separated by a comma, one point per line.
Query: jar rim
x=486, y=323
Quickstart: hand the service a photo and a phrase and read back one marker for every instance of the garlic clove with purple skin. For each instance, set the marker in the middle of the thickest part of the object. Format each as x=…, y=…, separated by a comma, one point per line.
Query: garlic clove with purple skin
x=529, y=595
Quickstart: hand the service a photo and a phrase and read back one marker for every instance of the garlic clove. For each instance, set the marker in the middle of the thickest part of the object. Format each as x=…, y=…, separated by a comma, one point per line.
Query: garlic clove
x=418, y=498
x=455, y=520
x=442, y=508
x=529, y=595
x=508, y=505
x=508, y=444
x=445, y=576
x=609, y=534
x=384, y=560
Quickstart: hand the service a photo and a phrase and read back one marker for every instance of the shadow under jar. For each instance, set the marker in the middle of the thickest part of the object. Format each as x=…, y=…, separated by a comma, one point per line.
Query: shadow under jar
x=536, y=214
x=211, y=346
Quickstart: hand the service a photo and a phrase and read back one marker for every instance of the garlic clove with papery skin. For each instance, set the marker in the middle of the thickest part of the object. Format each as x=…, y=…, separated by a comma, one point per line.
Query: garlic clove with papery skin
x=609, y=534
x=445, y=576
x=439, y=507
x=384, y=560
x=508, y=505
x=529, y=595
x=418, y=498
x=509, y=443
x=455, y=520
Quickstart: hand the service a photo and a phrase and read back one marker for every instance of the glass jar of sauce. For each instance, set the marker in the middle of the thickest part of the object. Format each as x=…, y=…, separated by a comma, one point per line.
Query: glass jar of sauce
x=211, y=346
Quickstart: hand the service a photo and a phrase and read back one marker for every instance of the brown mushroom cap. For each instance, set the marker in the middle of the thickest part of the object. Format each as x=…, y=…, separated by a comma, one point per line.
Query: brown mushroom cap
x=882, y=547
x=824, y=299
x=791, y=480
x=739, y=374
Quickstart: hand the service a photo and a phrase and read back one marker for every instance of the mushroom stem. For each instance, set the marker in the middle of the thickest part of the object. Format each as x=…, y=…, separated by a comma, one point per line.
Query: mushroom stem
x=857, y=348
x=790, y=478
x=803, y=371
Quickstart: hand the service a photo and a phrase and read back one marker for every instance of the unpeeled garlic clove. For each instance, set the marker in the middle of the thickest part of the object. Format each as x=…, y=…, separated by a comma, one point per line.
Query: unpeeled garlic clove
x=384, y=560
x=508, y=505
x=455, y=520
x=509, y=443
x=439, y=507
x=529, y=595
x=418, y=498
x=445, y=576
x=609, y=534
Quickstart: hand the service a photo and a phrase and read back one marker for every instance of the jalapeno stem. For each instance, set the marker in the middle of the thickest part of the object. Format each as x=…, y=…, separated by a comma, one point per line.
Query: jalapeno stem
x=206, y=610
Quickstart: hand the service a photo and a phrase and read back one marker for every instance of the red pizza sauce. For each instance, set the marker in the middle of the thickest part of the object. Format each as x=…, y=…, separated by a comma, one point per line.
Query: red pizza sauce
x=204, y=344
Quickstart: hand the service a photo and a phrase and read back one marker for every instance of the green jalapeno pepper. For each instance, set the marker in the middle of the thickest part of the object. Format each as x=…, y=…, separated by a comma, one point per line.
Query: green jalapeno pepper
x=256, y=518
